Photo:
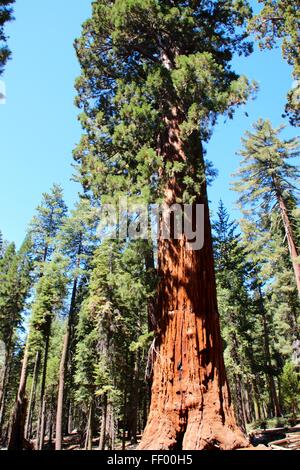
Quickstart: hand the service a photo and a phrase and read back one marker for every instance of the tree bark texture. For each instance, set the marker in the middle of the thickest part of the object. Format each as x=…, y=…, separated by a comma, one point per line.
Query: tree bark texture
x=191, y=407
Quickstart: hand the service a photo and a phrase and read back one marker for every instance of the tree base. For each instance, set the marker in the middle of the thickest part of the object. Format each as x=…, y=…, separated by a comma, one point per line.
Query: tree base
x=199, y=434
x=211, y=426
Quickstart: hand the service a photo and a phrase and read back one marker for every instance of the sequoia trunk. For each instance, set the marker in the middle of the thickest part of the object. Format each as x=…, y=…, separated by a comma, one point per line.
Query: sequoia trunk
x=190, y=405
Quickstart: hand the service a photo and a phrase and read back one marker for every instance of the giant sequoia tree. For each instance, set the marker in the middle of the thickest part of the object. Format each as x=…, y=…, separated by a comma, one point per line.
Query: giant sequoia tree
x=155, y=76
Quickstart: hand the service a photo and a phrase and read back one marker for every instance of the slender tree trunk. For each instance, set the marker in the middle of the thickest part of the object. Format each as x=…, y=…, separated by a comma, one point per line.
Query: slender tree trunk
x=274, y=402
x=102, y=440
x=28, y=426
x=240, y=409
x=293, y=250
x=134, y=401
x=16, y=437
x=62, y=370
x=70, y=418
x=151, y=303
x=190, y=406
x=124, y=417
x=5, y=382
x=17, y=428
x=256, y=401
x=110, y=427
x=42, y=409
x=89, y=431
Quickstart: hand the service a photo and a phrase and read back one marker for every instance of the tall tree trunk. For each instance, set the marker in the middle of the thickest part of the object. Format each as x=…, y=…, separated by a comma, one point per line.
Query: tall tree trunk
x=28, y=426
x=5, y=381
x=240, y=408
x=256, y=402
x=16, y=437
x=293, y=250
x=42, y=409
x=239, y=405
x=62, y=370
x=89, y=431
x=134, y=401
x=18, y=422
x=124, y=417
x=274, y=402
x=151, y=302
x=69, y=417
x=110, y=427
x=102, y=439
x=190, y=405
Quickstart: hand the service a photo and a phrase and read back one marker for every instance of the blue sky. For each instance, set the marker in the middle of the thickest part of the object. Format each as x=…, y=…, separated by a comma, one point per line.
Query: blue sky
x=38, y=123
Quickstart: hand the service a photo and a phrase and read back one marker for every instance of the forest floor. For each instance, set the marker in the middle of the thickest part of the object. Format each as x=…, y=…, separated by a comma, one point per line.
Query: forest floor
x=268, y=439
x=261, y=439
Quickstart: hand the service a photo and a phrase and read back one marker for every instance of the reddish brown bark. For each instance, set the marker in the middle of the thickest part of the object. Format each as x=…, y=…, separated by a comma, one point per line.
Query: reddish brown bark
x=190, y=405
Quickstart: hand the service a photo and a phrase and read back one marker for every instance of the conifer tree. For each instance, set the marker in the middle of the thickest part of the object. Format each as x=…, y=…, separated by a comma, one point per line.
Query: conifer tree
x=155, y=77
x=256, y=234
x=49, y=300
x=76, y=239
x=6, y=13
x=278, y=23
x=15, y=283
x=232, y=272
x=42, y=231
x=46, y=223
x=290, y=384
x=267, y=180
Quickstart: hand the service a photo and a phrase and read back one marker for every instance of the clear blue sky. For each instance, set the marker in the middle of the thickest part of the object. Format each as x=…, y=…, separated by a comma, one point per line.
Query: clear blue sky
x=38, y=124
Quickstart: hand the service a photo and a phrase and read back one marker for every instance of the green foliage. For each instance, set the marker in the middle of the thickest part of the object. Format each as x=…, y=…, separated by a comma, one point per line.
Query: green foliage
x=139, y=60
x=278, y=23
x=6, y=13
x=235, y=304
x=267, y=168
x=112, y=319
x=290, y=388
x=15, y=284
x=143, y=342
x=50, y=294
x=46, y=223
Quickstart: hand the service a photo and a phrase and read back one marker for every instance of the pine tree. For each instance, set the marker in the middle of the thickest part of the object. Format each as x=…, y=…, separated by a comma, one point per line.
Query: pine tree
x=76, y=240
x=290, y=385
x=278, y=23
x=112, y=321
x=6, y=13
x=46, y=223
x=256, y=235
x=95, y=356
x=49, y=300
x=155, y=77
x=232, y=272
x=42, y=231
x=267, y=180
x=16, y=281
